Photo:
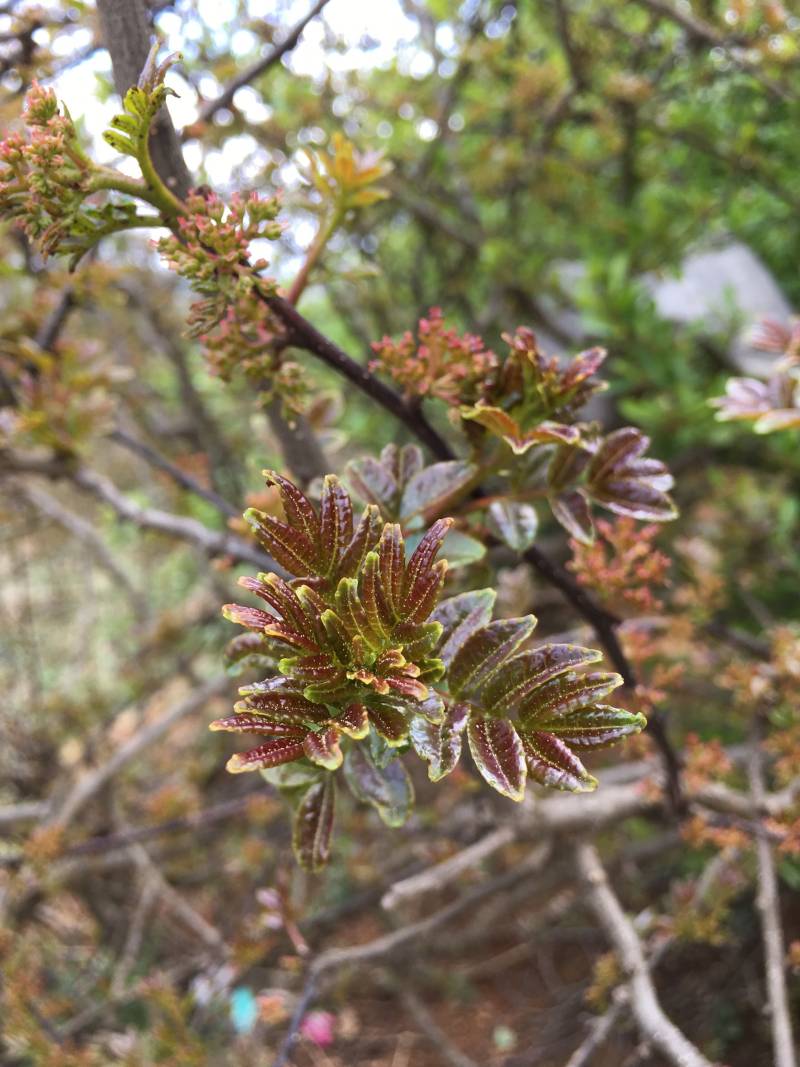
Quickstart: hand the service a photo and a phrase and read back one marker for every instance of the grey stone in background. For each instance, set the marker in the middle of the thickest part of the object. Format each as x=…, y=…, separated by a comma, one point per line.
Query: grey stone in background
x=718, y=288
x=719, y=291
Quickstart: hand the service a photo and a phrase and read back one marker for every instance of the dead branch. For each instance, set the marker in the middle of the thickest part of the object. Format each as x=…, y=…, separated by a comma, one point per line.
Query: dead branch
x=768, y=902
x=653, y=1023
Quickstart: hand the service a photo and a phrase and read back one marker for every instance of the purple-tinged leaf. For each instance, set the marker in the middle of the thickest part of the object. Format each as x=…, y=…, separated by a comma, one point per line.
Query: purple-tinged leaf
x=313, y=824
x=594, y=727
x=440, y=744
x=573, y=512
x=460, y=616
x=616, y=452
x=637, y=499
x=430, y=491
x=270, y=754
x=374, y=483
x=323, y=749
x=565, y=693
x=485, y=651
x=526, y=671
x=514, y=523
x=388, y=788
x=552, y=764
x=566, y=466
x=497, y=751
x=408, y=463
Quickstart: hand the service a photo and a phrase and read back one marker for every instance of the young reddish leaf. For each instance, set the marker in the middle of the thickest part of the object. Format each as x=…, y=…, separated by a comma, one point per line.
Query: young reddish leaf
x=313, y=824
x=551, y=763
x=391, y=559
x=515, y=524
x=389, y=722
x=270, y=754
x=497, y=751
x=485, y=651
x=362, y=542
x=352, y=614
x=323, y=749
x=251, y=722
x=430, y=490
x=291, y=548
x=526, y=671
x=279, y=595
x=594, y=727
x=297, y=508
x=565, y=693
x=460, y=617
x=440, y=744
x=572, y=511
x=354, y=721
x=336, y=522
x=252, y=618
x=421, y=562
x=289, y=708
x=421, y=598
x=388, y=788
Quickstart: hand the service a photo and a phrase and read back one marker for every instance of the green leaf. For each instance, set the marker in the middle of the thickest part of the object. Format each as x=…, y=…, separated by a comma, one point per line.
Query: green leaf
x=551, y=763
x=313, y=824
x=498, y=754
x=388, y=789
x=515, y=524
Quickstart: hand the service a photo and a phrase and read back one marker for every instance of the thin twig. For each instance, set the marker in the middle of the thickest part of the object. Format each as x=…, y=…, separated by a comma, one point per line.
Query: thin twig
x=84, y=531
x=180, y=477
x=213, y=542
x=86, y=787
x=255, y=70
x=768, y=901
x=397, y=941
x=431, y=1029
x=652, y=1021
